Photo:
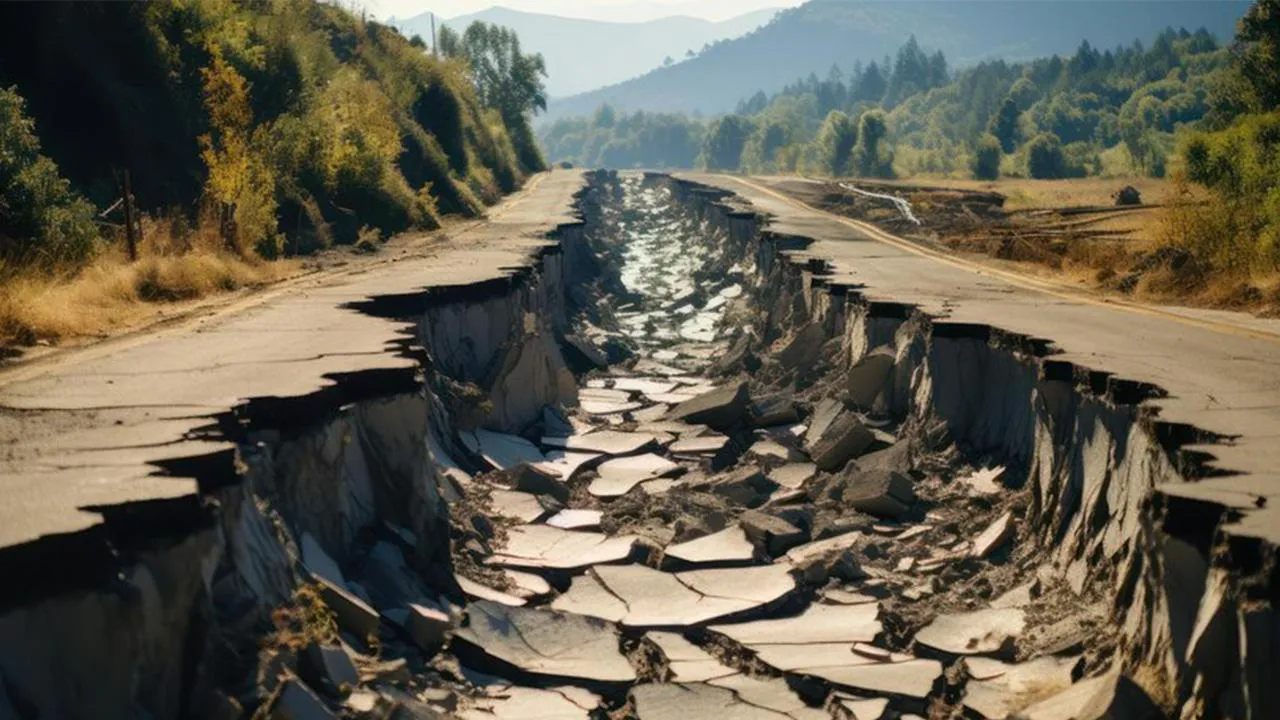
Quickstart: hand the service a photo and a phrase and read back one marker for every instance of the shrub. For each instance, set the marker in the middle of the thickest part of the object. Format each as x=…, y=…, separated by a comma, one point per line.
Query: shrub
x=1045, y=158
x=42, y=221
x=986, y=158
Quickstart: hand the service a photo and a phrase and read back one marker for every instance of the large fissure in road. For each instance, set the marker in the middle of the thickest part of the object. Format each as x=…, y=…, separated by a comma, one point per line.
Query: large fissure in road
x=669, y=470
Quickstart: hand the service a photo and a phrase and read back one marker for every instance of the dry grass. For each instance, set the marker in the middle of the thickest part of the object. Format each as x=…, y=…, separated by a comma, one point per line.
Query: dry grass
x=175, y=265
x=1024, y=193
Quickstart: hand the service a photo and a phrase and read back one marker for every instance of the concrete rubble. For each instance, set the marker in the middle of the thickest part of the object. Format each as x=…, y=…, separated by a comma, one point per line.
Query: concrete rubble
x=751, y=501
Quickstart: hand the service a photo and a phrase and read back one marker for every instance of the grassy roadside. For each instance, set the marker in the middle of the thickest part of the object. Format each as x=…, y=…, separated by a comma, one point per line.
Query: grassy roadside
x=112, y=294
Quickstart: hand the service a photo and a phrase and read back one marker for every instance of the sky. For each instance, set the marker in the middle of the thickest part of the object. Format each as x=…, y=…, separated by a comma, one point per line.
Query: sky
x=615, y=10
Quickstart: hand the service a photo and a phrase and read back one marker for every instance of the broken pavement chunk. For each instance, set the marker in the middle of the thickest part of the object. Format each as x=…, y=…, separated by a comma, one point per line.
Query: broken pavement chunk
x=727, y=546
x=720, y=409
x=770, y=534
x=982, y=632
x=608, y=442
x=994, y=536
x=619, y=476
x=744, y=485
x=703, y=445
x=428, y=627
x=540, y=546
x=817, y=624
x=517, y=505
x=686, y=661
x=500, y=450
x=353, y=614
x=639, y=596
x=793, y=476
x=319, y=563
x=772, y=410
x=545, y=644
x=473, y=589
x=877, y=492
x=844, y=439
x=576, y=520
x=996, y=690
x=868, y=377
x=297, y=702
x=1109, y=696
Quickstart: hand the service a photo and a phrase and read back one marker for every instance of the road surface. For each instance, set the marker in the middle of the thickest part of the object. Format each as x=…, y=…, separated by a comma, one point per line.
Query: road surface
x=1221, y=370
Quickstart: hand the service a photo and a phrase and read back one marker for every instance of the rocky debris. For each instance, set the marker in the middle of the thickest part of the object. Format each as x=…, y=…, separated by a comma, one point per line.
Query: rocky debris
x=843, y=439
x=771, y=535
x=501, y=451
x=728, y=546
x=983, y=632
x=868, y=377
x=1109, y=697
x=744, y=485
x=996, y=690
x=703, y=445
x=641, y=597
x=617, y=477
x=605, y=442
x=583, y=354
x=739, y=357
x=549, y=548
x=996, y=534
x=720, y=409
x=296, y=701
x=353, y=614
x=545, y=645
x=883, y=493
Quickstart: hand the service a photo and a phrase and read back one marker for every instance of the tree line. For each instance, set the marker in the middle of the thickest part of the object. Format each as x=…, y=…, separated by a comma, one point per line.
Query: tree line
x=1095, y=112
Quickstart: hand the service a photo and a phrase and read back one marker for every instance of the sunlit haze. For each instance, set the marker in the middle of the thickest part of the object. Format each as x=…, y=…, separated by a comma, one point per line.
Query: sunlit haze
x=614, y=10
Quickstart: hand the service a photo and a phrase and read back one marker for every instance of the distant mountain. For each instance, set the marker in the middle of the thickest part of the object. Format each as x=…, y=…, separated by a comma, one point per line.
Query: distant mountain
x=585, y=55
x=814, y=36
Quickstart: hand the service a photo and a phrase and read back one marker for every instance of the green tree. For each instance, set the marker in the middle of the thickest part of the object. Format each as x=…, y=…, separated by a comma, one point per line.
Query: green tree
x=509, y=81
x=1258, y=50
x=872, y=158
x=1045, y=158
x=1004, y=125
x=836, y=141
x=986, y=159
x=43, y=222
x=725, y=141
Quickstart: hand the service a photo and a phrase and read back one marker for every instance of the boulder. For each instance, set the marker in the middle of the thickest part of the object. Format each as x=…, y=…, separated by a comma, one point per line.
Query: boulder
x=1127, y=195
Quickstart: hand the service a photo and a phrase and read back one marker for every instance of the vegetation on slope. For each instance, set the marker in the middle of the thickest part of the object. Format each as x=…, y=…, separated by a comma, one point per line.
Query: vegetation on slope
x=247, y=132
x=1092, y=113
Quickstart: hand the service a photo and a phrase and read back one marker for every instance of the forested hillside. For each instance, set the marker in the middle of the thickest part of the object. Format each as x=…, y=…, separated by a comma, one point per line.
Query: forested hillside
x=822, y=33
x=244, y=131
x=584, y=55
x=1089, y=113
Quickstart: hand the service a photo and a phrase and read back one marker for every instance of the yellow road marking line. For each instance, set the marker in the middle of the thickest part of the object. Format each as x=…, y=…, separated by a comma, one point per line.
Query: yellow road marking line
x=1043, y=286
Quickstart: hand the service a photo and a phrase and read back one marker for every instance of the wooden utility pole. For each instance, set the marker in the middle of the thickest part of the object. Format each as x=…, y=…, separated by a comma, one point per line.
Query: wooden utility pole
x=435, y=47
x=130, y=218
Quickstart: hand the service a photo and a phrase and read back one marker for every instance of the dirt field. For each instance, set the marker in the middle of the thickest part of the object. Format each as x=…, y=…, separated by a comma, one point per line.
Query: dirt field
x=1069, y=230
